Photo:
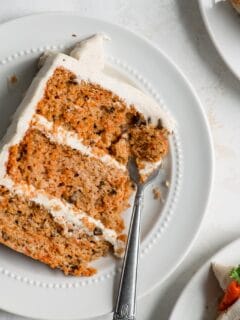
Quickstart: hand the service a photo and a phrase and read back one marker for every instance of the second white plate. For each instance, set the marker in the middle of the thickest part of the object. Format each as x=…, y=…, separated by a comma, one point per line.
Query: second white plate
x=223, y=25
x=199, y=300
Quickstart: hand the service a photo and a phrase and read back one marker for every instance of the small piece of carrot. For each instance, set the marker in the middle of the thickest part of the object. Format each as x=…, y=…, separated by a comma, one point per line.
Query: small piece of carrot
x=232, y=293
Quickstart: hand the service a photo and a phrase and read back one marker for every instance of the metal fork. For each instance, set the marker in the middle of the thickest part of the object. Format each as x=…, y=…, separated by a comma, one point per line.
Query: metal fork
x=125, y=308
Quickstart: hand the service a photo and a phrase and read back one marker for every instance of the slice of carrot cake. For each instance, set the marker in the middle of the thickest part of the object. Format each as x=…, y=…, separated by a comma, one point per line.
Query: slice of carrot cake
x=64, y=182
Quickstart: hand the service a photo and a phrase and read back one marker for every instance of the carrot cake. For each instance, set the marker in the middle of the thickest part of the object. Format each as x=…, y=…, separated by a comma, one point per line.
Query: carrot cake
x=64, y=182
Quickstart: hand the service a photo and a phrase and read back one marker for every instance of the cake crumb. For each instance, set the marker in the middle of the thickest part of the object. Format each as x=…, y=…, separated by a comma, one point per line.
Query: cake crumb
x=13, y=79
x=166, y=183
x=156, y=193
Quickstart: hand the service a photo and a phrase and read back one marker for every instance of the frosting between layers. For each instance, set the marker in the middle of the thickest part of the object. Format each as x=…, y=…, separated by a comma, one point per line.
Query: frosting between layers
x=64, y=213
x=62, y=136
x=71, y=139
x=150, y=167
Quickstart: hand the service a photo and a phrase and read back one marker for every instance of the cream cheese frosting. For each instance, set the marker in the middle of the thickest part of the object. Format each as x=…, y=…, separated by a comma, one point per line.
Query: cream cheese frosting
x=71, y=139
x=222, y=274
x=87, y=62
x=64, y=213
x=90, y=53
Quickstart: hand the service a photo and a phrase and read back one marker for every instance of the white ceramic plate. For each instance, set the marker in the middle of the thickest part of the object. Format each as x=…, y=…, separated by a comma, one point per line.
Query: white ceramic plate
x=200, y=297
x=30, y=288
x=223, y=25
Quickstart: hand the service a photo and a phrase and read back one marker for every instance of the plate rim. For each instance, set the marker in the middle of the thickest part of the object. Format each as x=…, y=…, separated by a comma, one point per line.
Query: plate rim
x=200, y=107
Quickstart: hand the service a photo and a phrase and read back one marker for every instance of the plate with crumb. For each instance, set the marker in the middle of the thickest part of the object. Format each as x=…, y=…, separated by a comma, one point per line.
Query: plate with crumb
x=222, y=20
x=215, y=288
x=77, y=102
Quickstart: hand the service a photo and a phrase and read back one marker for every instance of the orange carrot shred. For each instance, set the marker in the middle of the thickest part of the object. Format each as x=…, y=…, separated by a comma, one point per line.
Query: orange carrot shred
x=231, y=295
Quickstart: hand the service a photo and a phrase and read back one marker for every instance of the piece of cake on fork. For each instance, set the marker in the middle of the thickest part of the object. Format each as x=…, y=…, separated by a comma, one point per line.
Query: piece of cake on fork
x=64, y=182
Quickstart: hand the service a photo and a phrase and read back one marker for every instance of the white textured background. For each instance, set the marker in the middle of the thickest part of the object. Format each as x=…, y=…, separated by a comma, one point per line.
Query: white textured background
x=177, y=28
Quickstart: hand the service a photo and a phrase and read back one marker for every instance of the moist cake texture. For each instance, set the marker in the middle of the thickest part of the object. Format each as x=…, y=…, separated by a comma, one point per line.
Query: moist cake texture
x=64, y=183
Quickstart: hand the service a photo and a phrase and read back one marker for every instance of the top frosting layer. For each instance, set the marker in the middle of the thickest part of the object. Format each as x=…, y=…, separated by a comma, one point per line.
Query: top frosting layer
x=90, y=54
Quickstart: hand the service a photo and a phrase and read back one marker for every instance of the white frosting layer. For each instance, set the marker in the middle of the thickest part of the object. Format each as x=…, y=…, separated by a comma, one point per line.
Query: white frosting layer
x=150, y=167
x=61, y=136
x=90, y=53
x=64, y=213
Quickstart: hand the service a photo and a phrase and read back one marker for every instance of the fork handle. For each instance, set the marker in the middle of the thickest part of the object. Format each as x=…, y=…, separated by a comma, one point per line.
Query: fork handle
x=126, y=299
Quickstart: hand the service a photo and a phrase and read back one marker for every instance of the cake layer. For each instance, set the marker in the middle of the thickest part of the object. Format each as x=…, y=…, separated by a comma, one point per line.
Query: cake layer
x=101, y=119
x=74, y=222
x=29, y=228
x=96, y=114
x=62, y=136
x=65, y=173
